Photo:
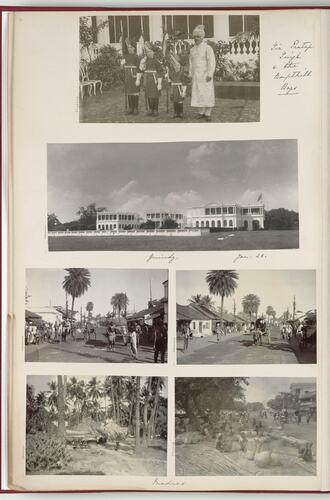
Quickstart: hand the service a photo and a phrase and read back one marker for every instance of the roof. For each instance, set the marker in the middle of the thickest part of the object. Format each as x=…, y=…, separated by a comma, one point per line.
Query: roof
x=189, y=313
x=31, y=315
x=147, y=312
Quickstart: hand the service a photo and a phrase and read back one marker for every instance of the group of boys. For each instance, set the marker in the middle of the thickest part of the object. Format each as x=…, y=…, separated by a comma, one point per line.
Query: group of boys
x=203, y=61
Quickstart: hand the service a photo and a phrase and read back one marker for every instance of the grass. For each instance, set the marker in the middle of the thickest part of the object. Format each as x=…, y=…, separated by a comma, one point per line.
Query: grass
x=240, y=240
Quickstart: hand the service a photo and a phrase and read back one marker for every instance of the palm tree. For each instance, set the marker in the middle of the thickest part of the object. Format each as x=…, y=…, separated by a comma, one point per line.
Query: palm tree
x=76, y=392
x=89, y=308
x=61, y=406
x=76, y=283
x=222, y=283
x=137, y=414
x=202, y=300
x=270, y=313
x=251, y=304
x=94, y=392
x=119, y=302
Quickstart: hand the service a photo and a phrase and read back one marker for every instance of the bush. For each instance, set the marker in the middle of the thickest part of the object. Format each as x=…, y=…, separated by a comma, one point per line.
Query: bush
x=45, y=452
x=106, y=67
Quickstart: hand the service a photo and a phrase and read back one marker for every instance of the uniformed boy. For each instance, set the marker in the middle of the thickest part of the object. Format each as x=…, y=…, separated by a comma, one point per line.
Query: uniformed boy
x=130, y=64
x=178, y=81
x=152, y=78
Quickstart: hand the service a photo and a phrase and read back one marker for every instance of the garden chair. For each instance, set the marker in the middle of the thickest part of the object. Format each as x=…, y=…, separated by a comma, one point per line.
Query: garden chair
x=86, y=82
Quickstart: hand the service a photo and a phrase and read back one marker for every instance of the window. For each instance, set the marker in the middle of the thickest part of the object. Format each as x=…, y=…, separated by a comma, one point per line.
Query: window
x=207, y=224
x=130, y=26
x=219, y=210
x=185, y=25
x=202, y=223
x=197, y=223
x=207, y=211
x=231, y=210
x=212, y=211
x=245, y=211
x=255, y=210
x=224, y=223
x=213, y=223
x=239, y=24
x=219, y=223
x=225, y=210
x=231, y=223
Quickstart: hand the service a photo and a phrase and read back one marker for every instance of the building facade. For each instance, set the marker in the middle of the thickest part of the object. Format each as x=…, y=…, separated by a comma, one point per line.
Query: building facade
x=159, y=218
x=151, y=28
x=231, y=217
x=117, y=221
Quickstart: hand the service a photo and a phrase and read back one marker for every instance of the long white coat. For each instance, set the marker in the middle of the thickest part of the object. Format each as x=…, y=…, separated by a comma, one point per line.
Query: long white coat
x=201, y=65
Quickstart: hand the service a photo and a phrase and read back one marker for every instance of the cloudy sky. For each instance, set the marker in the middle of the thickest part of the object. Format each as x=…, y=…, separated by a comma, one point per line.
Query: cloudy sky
x=274, y=288
x=143, y=177
x=264, y=389
x=45, y=288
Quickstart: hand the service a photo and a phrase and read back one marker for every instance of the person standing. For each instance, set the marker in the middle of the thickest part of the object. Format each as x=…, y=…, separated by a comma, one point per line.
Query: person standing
x=160, y=344
x=152, y=77
x=201, y=70
x=218, y=331
x=178, y=81
x=130, y=64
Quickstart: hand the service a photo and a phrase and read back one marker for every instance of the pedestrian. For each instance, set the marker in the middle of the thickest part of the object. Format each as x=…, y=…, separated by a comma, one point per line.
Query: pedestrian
x=160, y=344
x=130, y=63
x=186, y=335
x=138, y=330
x=152, y=80
x=133, y=343
x=218, y=330
x=201, y=70
x=178, y=81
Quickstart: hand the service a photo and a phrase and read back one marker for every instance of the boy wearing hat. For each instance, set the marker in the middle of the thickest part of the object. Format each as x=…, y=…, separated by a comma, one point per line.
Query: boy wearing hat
x=153, y=73
x=178, y=84
x=130, y=65
x=201, y=70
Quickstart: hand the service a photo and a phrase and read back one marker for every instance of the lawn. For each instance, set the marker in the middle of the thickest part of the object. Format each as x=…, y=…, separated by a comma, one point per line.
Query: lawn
x=110, y=108
x=239, y=240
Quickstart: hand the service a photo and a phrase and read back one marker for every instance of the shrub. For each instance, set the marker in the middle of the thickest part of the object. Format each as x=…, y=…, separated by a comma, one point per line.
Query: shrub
x=45, y=452
x=106, y=67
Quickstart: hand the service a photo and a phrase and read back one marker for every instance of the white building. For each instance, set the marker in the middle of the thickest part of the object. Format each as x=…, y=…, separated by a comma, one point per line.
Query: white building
x=160, y=217
x=234, y=216
x=48, y=314
x=115, y=220
x=152, y=28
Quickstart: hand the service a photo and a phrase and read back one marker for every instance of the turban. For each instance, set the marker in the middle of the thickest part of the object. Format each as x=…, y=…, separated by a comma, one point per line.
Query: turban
x=199, y=31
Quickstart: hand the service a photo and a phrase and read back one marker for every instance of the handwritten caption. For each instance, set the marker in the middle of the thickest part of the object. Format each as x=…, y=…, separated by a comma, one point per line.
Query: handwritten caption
x=167, y=482
x=241, y=256
x=292, y=66
x=167, y=257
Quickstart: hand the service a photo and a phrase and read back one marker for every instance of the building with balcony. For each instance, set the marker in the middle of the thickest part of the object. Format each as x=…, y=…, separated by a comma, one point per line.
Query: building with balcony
x=223, y=216
x=305, y=392
x=115, y=220
x=158, y=218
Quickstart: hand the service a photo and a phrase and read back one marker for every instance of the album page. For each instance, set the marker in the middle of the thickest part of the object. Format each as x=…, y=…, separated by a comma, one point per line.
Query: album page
x=168, y=241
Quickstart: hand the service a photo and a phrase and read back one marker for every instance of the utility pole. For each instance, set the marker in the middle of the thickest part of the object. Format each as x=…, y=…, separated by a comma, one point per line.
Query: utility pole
x=66, y=305
x=234, y=312
x=294, y=308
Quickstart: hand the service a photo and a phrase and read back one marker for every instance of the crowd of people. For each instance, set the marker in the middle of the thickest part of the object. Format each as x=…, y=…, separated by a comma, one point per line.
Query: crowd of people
x=47, y=332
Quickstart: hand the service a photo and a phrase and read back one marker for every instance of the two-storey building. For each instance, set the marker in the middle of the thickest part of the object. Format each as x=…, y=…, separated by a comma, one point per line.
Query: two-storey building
x=228, y=216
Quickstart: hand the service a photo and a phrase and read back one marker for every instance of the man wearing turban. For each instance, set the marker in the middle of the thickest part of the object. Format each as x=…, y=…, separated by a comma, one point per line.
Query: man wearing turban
x=201, y=70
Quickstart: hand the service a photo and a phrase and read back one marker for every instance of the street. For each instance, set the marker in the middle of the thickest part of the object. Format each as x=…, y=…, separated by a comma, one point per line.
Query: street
x=94, y=351
x=239, y=349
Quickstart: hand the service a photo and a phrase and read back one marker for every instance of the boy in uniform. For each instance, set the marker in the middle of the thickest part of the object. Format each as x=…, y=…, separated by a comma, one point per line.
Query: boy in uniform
x=178, y=81
x=130, y=64
x=153, y=75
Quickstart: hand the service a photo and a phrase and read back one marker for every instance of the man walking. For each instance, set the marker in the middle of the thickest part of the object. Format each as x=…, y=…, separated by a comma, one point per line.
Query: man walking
x=201, y=70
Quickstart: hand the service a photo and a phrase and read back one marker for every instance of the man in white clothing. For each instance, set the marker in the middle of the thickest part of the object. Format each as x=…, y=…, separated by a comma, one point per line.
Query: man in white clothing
x=201, y=70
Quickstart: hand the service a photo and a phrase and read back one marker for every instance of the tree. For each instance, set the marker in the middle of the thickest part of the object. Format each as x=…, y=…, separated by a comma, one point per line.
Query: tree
x=87, y=215
x=61, y=406
x=149, y=224
x=281, y=218
x=202, y=300
x=119, y=302
x=222, y=283
x=52, y=221
x=169, y=224
x=88, y=33
x=76, y=283
x=251, y=304
x=270, y=312
x=137, y=414
x=89, y=309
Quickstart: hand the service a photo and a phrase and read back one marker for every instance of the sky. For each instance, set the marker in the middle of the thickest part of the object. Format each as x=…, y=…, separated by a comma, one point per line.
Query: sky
x=275, y=288
x=45, y=288
x=264, y=389
x=40, y=382
x=171, y=176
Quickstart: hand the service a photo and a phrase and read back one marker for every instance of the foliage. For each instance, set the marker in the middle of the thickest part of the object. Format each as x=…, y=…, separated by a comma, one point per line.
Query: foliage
x=38, y=418
x=149, y=224
x=111, y=431
x=281, y=218
x=251, y=304
x=270, y=311
x=283, y=400
x=45, y=452
x=106, y=67
x=202, y=300
x=222, y=283
x=88, y=33
x=76, y=283
x=87, y=215
x=169, y=224
x=89, y=308
x=119, y=302
x=52, y=222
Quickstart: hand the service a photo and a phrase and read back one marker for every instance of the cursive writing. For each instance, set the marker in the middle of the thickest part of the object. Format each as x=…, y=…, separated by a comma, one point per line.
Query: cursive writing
x=169, y=257
x=258, y=256
x=292, y=65
x=167, y=482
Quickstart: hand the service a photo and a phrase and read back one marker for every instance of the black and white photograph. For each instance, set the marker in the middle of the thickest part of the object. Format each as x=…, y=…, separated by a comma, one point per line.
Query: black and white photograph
x=243, y=426
x=102, y=425
x=181, y=196
x=160, y=68
x=80, y=315
x=246, y=317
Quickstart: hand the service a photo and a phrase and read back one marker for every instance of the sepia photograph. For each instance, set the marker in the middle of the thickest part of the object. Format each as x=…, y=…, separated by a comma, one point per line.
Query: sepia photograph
x=80, y=315
x=161, y=68
x=246, y=317
x=243, y=426
x=182, y=196
x=102, y=426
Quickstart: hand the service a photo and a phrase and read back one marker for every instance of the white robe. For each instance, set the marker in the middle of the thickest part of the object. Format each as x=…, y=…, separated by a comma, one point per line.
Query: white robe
x=201, y=65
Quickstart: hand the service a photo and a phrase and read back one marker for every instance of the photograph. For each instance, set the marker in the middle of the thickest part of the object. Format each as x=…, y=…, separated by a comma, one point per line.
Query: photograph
x=243, y=426
x=102, y=426
x=80, y=315
x=160, y=68
x=246, y=317
x=180, y=196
